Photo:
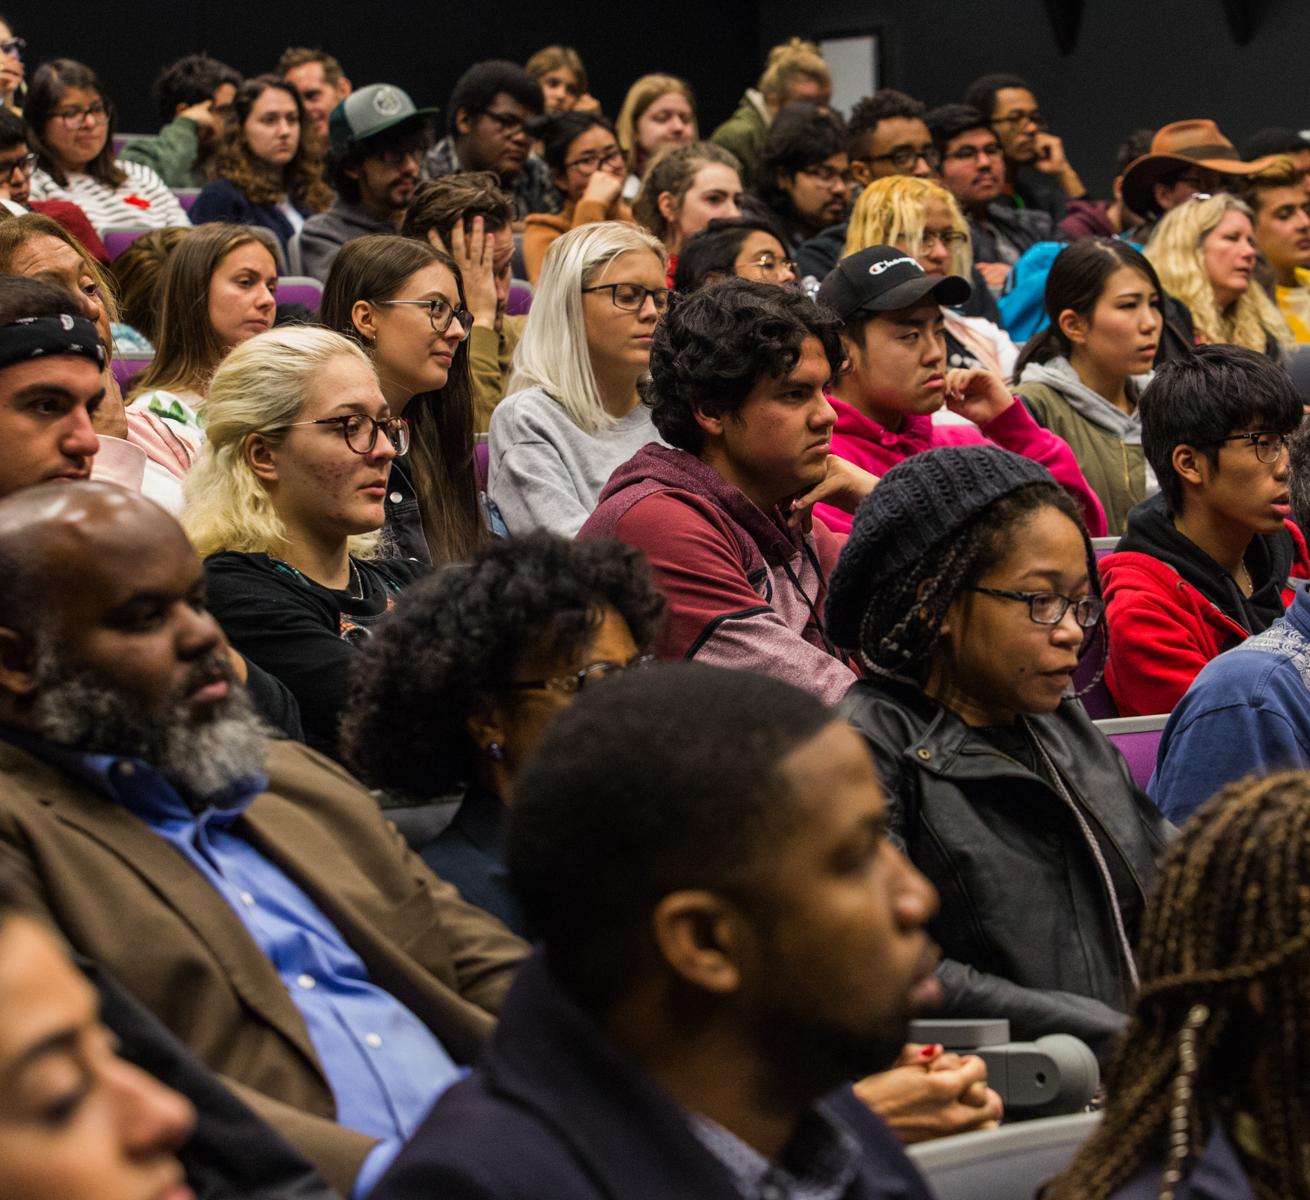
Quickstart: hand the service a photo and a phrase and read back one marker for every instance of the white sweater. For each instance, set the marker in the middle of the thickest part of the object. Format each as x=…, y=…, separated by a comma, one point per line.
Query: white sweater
x=141, y=201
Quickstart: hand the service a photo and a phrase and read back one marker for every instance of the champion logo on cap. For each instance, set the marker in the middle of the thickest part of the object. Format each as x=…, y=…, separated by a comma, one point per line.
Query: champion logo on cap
x=879, y=267
x=387, y=101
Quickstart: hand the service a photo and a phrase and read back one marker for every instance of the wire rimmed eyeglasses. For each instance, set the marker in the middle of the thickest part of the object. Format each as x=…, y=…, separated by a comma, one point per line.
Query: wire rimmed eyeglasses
x=591, y=674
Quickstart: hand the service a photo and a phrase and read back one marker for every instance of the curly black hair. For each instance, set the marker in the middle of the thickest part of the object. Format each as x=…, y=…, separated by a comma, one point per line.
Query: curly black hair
x=714, y=344
x=883, y=105
x=900, y=629
x=459, y=636
x=801, y=136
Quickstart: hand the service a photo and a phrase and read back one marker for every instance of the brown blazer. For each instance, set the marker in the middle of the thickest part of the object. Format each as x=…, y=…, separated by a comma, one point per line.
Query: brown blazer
x=121, y=894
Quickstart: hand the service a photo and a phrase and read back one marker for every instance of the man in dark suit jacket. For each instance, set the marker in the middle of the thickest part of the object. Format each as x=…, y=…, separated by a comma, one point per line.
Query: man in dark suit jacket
x=729, y=936
x=249, y=893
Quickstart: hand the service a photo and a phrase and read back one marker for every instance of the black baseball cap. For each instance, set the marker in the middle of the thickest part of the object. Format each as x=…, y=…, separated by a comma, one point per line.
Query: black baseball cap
x=882, y=278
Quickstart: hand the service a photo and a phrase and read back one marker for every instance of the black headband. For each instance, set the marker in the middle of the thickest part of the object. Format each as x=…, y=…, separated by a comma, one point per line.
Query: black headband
x=37, y=337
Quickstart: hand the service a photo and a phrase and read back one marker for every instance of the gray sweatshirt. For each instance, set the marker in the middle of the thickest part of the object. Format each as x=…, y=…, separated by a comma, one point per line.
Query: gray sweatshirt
x=546, y=473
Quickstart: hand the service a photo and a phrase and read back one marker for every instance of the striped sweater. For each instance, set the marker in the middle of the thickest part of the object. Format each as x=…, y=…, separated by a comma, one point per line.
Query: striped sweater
x=141, y=201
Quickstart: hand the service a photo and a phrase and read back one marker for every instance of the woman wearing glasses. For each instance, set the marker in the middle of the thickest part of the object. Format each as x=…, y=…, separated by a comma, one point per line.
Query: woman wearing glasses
x=741, y=247
x=75, y=122
x=685, y=189
x=574, y=413
x=924, y=220
x=285, y=507
x=587, y=166
x=456, y=690
x=11, y=68
x=403, y=302
x=966, y=586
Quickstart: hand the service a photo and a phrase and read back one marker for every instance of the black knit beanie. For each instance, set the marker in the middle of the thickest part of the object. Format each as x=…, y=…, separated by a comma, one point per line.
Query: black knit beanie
x=918, y=504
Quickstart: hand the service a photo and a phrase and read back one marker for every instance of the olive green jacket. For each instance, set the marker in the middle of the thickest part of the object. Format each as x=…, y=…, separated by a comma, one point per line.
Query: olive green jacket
x=490, y=352
x=1115, y=472
x=741, y=134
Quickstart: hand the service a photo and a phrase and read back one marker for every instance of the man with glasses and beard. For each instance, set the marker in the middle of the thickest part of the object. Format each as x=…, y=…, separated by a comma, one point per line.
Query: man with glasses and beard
x=730, y=937
x=247, y=891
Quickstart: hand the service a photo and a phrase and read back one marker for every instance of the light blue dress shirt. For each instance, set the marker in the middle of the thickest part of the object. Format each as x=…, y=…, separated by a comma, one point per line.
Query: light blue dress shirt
x=385, y=1067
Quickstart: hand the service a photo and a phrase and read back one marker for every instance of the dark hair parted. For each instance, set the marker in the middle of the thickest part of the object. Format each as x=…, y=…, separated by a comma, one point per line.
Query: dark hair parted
x=1076, y=280
x=657, y=781
x=1201, y=399
x=900, y=628
x=802, y=135
x=1230, y=913
x=439, y=204
x=441, y=422
x=949, y=121
x=301, y=179
x=982, y=91
x=556, y=131
x=49, y=83
x=714, y=345
x=884, y=105
x=189, y=81
x=460, y=637
x=477, y=89
x=22, y=297
x=714, y=250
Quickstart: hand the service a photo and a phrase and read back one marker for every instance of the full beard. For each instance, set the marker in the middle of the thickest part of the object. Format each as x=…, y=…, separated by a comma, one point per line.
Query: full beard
x=81, y=708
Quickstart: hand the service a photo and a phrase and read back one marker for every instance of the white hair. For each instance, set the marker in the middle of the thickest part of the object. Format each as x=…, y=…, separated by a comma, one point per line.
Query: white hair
x=552, y=351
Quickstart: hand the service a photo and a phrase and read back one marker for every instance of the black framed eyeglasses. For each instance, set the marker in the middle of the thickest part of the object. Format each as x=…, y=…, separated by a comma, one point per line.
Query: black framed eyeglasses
x=1268, y=446
x=508, y=122
x=14, y=46
x=1023, y=118
x=592, y=673
x=631, y=297
x=1048, y=608
x=439, y=313
x=904, y=157
x=593, y=162
x=970, y=153
x=24, y=166
x=361, y=431
x=828, y=176
x=76, y=118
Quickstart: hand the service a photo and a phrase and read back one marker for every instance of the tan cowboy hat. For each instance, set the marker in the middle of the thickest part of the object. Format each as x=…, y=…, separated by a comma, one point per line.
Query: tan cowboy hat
x=1188, y=144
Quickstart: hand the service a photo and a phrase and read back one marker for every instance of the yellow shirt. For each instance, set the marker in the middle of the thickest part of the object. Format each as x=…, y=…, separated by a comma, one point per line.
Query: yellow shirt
x=1295, y=305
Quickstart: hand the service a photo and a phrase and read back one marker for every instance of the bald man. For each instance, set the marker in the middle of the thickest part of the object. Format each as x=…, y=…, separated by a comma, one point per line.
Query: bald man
x=249, y=893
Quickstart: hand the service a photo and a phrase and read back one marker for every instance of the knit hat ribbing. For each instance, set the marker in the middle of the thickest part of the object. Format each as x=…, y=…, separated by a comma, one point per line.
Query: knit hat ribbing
x=918, y=504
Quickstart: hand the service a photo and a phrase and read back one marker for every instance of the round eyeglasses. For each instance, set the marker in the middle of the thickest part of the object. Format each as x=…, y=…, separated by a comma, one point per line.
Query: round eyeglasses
x=1048, y=608
x=591, y=674
x=361, y=431
x=1269, y=447
x=439, y=313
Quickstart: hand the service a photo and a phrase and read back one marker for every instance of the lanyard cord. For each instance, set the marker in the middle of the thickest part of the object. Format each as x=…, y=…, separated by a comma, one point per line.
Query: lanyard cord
x=1124, y=943
x=814, y=612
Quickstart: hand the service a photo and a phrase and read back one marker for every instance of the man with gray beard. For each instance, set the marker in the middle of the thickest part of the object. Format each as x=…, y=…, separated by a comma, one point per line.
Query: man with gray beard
x=246, y=890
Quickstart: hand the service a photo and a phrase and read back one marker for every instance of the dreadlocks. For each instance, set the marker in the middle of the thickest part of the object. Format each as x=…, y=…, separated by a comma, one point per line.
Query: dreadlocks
x=900, y=627
x=1231, y=909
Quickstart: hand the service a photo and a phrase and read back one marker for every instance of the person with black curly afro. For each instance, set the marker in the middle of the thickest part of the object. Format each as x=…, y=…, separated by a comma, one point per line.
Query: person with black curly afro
x=738, y=375
x=460, y=681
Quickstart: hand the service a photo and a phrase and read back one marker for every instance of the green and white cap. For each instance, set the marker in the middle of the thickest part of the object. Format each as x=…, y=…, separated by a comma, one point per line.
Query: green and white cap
x=370, y=111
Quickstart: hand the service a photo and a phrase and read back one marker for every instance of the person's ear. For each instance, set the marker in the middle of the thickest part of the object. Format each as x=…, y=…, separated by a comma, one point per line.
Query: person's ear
x=352, y=172
x=1191, y=465
x=862, y=173
x=1161, y=194
x=434, y=240
x=180, y=107
x=365, y=321
x=668, y=206
x=344, y=88
x=561, y=180
x=710, y=278
x=1117, y=187
x=773, y=104
x=487, y=724
x=1074, y=327
x=18, y=663
x=700, y=937
x=712, y=426
x=463, y=123
x=260, y=456
x=785, y=180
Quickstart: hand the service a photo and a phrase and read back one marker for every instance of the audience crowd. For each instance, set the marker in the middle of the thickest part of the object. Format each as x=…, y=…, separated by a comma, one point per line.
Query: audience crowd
x=539, y=709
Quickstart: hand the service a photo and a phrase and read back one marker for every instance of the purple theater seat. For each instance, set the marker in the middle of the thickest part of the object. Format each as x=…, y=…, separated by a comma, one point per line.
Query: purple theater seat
x=1104, y=546
x=300, y=289
x=1097, y=701
x=125, y=368
x=1138, y=740
x=186, y=197
x=520, y=298
x=118, y=240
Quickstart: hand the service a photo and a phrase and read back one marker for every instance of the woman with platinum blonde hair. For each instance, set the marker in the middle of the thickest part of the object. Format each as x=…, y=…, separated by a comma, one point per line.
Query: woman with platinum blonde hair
x=573, y=412
x=285, y=505
x=1204, y=252
x=925, y=221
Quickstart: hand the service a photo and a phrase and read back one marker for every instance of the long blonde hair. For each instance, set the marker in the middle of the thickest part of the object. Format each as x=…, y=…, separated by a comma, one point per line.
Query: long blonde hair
x=261, y=387
x=641, y=95
x=1177, y=251
x=892, y=208
x=552, y=350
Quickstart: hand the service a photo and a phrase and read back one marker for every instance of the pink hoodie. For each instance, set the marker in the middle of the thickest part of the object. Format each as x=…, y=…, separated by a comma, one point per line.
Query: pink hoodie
x=867, y=444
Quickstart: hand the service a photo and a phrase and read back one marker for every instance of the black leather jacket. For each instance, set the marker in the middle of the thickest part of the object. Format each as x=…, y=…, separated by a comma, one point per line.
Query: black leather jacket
x=1026, y=926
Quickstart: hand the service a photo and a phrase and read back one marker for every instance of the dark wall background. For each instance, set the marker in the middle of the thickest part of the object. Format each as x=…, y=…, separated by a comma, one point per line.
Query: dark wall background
x=1137, y=64
x=420, y=46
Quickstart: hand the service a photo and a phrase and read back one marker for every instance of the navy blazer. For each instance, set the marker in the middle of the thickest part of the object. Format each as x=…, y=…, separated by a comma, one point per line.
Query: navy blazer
x=556, y=1111
x=222, y=200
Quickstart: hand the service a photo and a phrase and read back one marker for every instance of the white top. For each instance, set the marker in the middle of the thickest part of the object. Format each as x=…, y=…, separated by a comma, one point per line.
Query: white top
x=292, y=214
x=544, y=472
x=141, y=201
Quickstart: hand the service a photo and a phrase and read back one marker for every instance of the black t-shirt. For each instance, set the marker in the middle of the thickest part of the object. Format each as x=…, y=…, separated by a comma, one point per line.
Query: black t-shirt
x=300, y=632
x=1013, y=741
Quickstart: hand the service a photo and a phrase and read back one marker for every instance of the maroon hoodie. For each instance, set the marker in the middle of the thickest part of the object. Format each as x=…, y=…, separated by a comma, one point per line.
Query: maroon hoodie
x=744, y=590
